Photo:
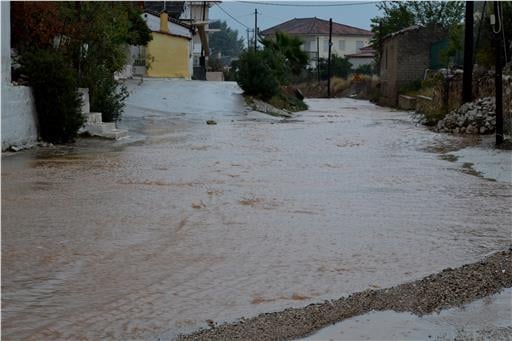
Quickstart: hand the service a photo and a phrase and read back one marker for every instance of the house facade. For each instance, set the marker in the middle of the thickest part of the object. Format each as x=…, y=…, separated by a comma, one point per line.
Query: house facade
x=405, y=57
x=365, y=56
x=168, y=54
x=314, y=33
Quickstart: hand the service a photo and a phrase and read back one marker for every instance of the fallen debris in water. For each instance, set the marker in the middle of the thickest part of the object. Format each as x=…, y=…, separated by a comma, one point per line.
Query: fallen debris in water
x=211, y=122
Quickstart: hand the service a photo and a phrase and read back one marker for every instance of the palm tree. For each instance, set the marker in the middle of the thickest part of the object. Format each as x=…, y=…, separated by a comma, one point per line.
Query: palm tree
x=290, y=48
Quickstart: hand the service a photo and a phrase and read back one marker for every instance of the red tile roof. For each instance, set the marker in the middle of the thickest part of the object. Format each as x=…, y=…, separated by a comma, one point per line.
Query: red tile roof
x=315, y=26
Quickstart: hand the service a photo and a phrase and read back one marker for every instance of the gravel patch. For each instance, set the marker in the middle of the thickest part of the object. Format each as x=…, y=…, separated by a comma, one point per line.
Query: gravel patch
x=448, y=288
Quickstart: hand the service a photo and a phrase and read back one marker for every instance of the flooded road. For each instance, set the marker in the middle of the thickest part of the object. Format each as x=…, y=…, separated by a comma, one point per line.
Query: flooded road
x=186, y=222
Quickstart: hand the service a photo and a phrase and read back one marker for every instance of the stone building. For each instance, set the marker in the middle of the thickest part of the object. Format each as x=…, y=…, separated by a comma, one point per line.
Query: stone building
x=405, y=57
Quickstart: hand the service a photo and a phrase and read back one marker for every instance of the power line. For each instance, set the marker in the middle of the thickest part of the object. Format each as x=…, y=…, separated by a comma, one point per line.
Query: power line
x=307, y=5
x=232, y=17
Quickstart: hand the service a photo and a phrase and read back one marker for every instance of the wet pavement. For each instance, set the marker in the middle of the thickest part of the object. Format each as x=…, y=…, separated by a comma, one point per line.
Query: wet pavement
x=186, y=222
x=485, y=319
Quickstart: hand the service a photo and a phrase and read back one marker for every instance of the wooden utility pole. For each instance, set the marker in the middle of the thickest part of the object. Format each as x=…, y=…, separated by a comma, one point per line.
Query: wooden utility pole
x=498, y=72
x=329, y=61
x=255, y=28
x=318, y=57
x=467, y=77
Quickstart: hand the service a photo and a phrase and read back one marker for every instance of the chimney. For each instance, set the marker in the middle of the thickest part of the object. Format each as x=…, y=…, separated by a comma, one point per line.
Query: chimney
x=164, y=22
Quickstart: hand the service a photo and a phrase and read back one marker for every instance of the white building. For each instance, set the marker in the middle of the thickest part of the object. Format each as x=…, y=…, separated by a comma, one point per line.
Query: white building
x=314, y=32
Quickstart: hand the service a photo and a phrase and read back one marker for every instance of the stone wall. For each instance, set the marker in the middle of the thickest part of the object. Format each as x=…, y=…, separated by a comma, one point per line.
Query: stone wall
x=447, y=93
x=405, y=57
x=19, y=119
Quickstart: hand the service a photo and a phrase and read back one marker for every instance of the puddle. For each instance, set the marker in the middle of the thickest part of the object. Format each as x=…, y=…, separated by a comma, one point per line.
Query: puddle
x=486, y=319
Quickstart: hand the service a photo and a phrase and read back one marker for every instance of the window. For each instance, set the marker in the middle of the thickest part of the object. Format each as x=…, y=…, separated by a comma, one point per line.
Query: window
x=326, y=45
x=359, y=45
x=342, y=45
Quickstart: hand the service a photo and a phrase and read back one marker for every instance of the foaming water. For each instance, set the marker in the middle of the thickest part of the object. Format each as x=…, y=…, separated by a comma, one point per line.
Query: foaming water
x=196, y=222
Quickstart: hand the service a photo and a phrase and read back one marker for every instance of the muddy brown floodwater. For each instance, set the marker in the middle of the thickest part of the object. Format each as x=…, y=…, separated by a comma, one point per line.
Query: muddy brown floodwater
x=187, y=222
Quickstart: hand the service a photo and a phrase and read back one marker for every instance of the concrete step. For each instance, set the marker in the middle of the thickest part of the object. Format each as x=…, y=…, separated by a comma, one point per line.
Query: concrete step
x=107, y=126
x=116, y=134
x=106, y=129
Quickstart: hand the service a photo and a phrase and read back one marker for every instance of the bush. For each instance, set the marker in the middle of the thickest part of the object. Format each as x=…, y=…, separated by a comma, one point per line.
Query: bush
x=366, y=69
x=261, y=73
x=107, y=97
x=54, y=85
x=340, y=67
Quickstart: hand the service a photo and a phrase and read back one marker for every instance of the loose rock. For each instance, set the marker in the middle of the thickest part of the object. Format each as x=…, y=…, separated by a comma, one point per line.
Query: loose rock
x=477, y=117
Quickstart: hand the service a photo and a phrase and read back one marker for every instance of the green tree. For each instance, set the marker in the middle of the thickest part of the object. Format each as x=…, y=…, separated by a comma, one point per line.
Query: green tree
x=340, y=67
x=226, y=41
x=290, y=48
x=54, y=84
x=98, y=46
x=261, y=72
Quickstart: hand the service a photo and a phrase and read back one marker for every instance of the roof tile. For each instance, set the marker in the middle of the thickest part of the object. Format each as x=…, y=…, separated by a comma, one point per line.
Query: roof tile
x=315, y=26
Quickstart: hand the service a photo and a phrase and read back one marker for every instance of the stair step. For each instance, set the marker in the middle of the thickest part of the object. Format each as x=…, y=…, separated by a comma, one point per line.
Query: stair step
x=108, y=126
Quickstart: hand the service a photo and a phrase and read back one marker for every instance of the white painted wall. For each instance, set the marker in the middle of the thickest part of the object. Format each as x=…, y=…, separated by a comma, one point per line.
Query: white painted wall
x=350, y=44
x=19, y=118
x=360, y=61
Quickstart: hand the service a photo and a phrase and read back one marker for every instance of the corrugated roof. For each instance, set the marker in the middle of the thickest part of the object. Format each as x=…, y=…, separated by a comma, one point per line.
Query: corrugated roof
x=315, y=26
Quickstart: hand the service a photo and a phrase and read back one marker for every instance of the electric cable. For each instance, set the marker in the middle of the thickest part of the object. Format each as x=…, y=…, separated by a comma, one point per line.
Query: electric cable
x=308, y=5
x=232, y=17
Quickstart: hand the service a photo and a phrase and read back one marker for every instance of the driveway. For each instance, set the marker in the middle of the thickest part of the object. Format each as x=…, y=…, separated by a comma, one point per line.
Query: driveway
x=187, y=222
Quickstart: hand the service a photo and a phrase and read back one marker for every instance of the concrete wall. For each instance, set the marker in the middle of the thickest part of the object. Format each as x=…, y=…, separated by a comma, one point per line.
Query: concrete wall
x=170, y=56
x=19, y=119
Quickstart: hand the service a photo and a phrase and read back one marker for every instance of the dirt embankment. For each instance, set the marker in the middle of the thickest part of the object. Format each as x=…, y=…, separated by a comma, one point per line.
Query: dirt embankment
x=450, y=287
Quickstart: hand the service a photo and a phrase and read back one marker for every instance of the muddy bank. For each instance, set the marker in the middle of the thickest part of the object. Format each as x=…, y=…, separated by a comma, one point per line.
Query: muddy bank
x=451, y=287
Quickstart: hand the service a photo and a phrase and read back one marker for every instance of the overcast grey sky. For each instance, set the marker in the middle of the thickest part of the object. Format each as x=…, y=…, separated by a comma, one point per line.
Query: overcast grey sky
x=351, y=13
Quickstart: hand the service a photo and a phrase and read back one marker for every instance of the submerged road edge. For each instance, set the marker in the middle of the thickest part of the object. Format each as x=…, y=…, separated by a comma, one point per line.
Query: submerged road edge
x=448, y=288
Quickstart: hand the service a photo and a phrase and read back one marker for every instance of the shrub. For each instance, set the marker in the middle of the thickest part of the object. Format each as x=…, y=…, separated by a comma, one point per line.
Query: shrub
x=261, y=73
x=338, y=85
x=54, y=87
x=340, y=67
x=107, y=97
x=365, y=69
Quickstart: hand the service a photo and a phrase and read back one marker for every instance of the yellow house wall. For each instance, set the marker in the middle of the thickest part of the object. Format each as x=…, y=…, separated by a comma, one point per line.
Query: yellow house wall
x=169, y=56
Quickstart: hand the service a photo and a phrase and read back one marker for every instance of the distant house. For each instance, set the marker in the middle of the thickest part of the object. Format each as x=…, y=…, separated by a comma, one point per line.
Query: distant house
x=169, y=53
x=365, y=56
x=314, y=32
x=405, y=56
x=185, y=41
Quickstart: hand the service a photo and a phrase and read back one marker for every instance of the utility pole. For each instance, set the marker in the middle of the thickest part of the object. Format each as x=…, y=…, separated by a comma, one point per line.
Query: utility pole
x=498, y=72
x=318, y=57
x=467, y=77
x=255, y=28
x=329, y=61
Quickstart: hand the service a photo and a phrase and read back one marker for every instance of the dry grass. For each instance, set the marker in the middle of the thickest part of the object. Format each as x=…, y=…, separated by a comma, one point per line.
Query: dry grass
x=338, y=85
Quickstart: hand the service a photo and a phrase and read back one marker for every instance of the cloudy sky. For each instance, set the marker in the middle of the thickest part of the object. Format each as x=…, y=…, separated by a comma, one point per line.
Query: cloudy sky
x=270, y=13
